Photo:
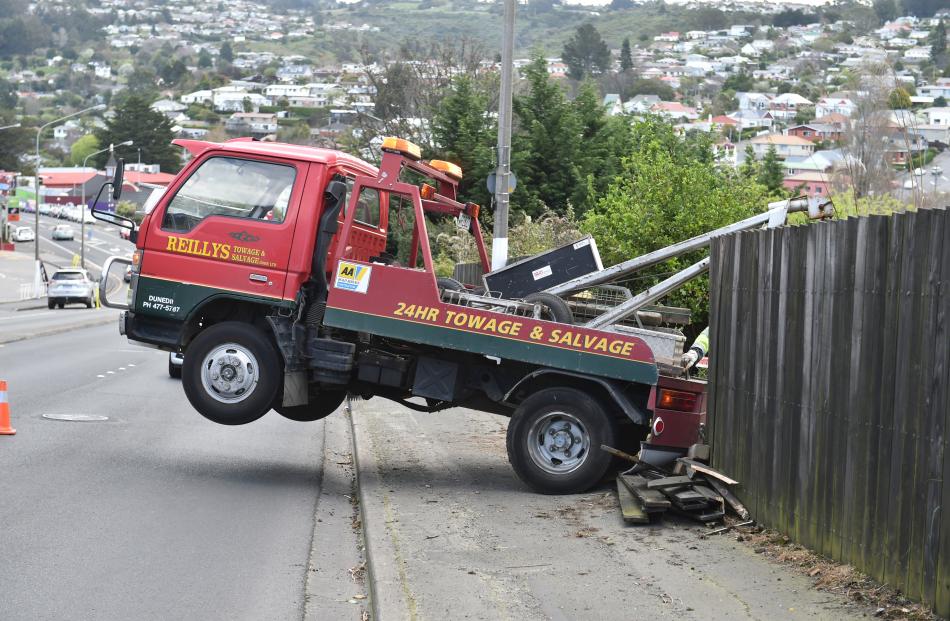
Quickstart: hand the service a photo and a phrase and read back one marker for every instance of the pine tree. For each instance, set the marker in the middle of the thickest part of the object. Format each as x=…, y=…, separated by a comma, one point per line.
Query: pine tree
x=586, y=53
x=464, y=133
x=749, y=167
x=149, y=131
x=772, y=173
x=938, y=40
x=546, y=144
x=626, y=58
x=227, y=54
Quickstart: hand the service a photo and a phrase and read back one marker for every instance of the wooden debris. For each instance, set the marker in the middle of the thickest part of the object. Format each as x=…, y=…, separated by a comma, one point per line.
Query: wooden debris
x=668, y=482
x=730, y=498
x=702, y=494
x=650, y=500
x=707, y=470
x=630, y=507
x=620, y=454
x=725, y=529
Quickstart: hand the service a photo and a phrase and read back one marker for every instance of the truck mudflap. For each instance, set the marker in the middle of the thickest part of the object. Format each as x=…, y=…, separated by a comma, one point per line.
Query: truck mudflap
x=635, y=413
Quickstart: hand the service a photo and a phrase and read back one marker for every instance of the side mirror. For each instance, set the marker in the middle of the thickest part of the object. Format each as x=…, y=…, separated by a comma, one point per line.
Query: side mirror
x=117, y=179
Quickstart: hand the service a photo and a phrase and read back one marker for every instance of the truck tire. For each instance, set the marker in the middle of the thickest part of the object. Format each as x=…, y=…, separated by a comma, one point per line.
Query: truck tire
x=326, y=403
x=232, y=373
x=553, y=308
x=444, y=282
x=554, y=440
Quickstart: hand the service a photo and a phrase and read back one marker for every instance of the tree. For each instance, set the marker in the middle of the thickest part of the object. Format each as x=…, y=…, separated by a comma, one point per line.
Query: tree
x=886, y=10
x=83, y=147
x=899, y=99
x=922, y=8
x=226, y=53
x=771, y=172
x=669, y=190
x=464, y=133
x=586, y=53
x=940, y=102
x=545, y=144
x=749, y=169
x=739, y=83
x=204, y=59
x=150, y=131
x=938, y=40
x=8, y=95
x=626, y=58
x=15, y=142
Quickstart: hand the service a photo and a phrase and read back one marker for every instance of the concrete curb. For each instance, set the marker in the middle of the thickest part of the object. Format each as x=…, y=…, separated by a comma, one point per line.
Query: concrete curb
x=57, y=330
x=390, y=596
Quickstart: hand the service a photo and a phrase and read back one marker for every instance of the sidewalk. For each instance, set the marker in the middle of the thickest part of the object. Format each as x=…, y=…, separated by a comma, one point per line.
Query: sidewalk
x=17, y=270
x=450, y=532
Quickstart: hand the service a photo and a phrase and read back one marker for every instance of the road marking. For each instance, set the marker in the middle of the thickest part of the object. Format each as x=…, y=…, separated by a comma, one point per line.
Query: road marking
x=96, y=376
x=110, y=372
x=131, y=365
x=122, y=368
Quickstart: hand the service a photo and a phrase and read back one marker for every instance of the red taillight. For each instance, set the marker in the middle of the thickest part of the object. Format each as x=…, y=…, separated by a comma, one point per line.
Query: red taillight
x=658, y=427
x=676, y=400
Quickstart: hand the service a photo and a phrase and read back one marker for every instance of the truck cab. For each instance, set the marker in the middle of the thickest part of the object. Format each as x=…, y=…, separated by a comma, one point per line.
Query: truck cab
x=289, y=277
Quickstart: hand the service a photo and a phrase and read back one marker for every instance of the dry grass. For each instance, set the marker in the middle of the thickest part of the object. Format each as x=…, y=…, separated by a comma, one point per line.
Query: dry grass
x=834, y=577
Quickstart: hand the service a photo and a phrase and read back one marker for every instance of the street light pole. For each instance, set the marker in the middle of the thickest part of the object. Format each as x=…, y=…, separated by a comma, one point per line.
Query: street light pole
x=37, y=280
x=499, y=248
x=14, y=126
x=82, y=208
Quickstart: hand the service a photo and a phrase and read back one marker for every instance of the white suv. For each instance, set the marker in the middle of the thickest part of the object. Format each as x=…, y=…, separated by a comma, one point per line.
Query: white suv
x=71, y=286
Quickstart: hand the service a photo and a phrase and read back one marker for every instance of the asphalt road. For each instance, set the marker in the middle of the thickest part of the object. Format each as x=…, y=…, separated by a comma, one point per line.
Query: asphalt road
x=105, y=241
x=156, y=513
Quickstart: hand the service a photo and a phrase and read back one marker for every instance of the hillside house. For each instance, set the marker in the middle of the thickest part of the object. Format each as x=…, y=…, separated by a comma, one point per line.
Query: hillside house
x=785, y=146
x=251, y=124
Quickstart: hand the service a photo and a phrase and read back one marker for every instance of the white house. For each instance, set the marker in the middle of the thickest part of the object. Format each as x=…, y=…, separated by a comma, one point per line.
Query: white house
x=786, y=105
x=198, y=97
x=834, y=105
x=753, y=101
x=937, y=116
x=253, y=123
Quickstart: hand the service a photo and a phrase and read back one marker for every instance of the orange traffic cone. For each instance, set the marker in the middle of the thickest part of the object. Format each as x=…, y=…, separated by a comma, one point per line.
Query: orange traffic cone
x=5, y=428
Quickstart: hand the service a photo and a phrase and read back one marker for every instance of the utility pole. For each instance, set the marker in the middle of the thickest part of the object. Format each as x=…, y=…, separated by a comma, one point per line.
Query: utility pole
x=499, y=249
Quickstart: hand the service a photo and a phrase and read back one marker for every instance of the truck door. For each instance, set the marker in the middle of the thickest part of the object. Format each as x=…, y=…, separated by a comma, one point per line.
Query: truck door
x=228, y=226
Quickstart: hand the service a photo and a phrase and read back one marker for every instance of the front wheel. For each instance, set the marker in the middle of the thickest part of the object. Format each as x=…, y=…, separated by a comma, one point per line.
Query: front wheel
x=320, y=406
x=554, y=440
x=232, y=373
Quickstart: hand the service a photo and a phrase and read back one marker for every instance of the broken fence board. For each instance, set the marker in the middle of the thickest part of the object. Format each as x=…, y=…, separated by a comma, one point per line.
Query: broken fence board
x=630, y=507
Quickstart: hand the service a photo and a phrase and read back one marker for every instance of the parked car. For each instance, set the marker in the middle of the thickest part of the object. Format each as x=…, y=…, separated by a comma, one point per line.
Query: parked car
x=23, y=234
x=71, y=286
x=63, y=231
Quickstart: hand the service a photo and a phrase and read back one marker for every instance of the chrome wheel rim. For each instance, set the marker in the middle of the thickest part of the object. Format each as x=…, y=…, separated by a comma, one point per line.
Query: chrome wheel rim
x=229, y=373
x=558, y=443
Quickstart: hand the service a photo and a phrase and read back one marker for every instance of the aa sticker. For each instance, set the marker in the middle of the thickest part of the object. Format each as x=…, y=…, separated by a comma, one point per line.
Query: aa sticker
x=352, y=277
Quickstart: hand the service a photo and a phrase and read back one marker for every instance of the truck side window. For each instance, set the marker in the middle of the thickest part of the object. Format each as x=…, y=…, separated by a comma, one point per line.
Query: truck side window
x=225, y=186
x=367, y=207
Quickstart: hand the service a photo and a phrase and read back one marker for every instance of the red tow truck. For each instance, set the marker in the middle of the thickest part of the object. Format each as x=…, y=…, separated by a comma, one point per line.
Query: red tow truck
x=290, y=277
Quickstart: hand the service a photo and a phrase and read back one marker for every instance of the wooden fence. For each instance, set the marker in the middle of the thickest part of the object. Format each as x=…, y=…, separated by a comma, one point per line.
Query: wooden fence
x=829, y=389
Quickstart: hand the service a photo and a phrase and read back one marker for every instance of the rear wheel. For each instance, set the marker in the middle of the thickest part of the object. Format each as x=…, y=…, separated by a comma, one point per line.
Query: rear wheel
x=61, y=304
x=89, y=303
x=232, y=373
x=50, y=304
x=554, y=440
x=320, y=406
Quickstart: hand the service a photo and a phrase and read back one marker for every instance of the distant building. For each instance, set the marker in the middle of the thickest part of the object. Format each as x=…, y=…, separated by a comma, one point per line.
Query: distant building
x=785, y=146
x=252, y=124
x=809, y=183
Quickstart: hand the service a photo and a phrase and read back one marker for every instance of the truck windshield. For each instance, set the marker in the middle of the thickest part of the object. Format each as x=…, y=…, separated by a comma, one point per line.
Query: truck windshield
x=224, y=186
